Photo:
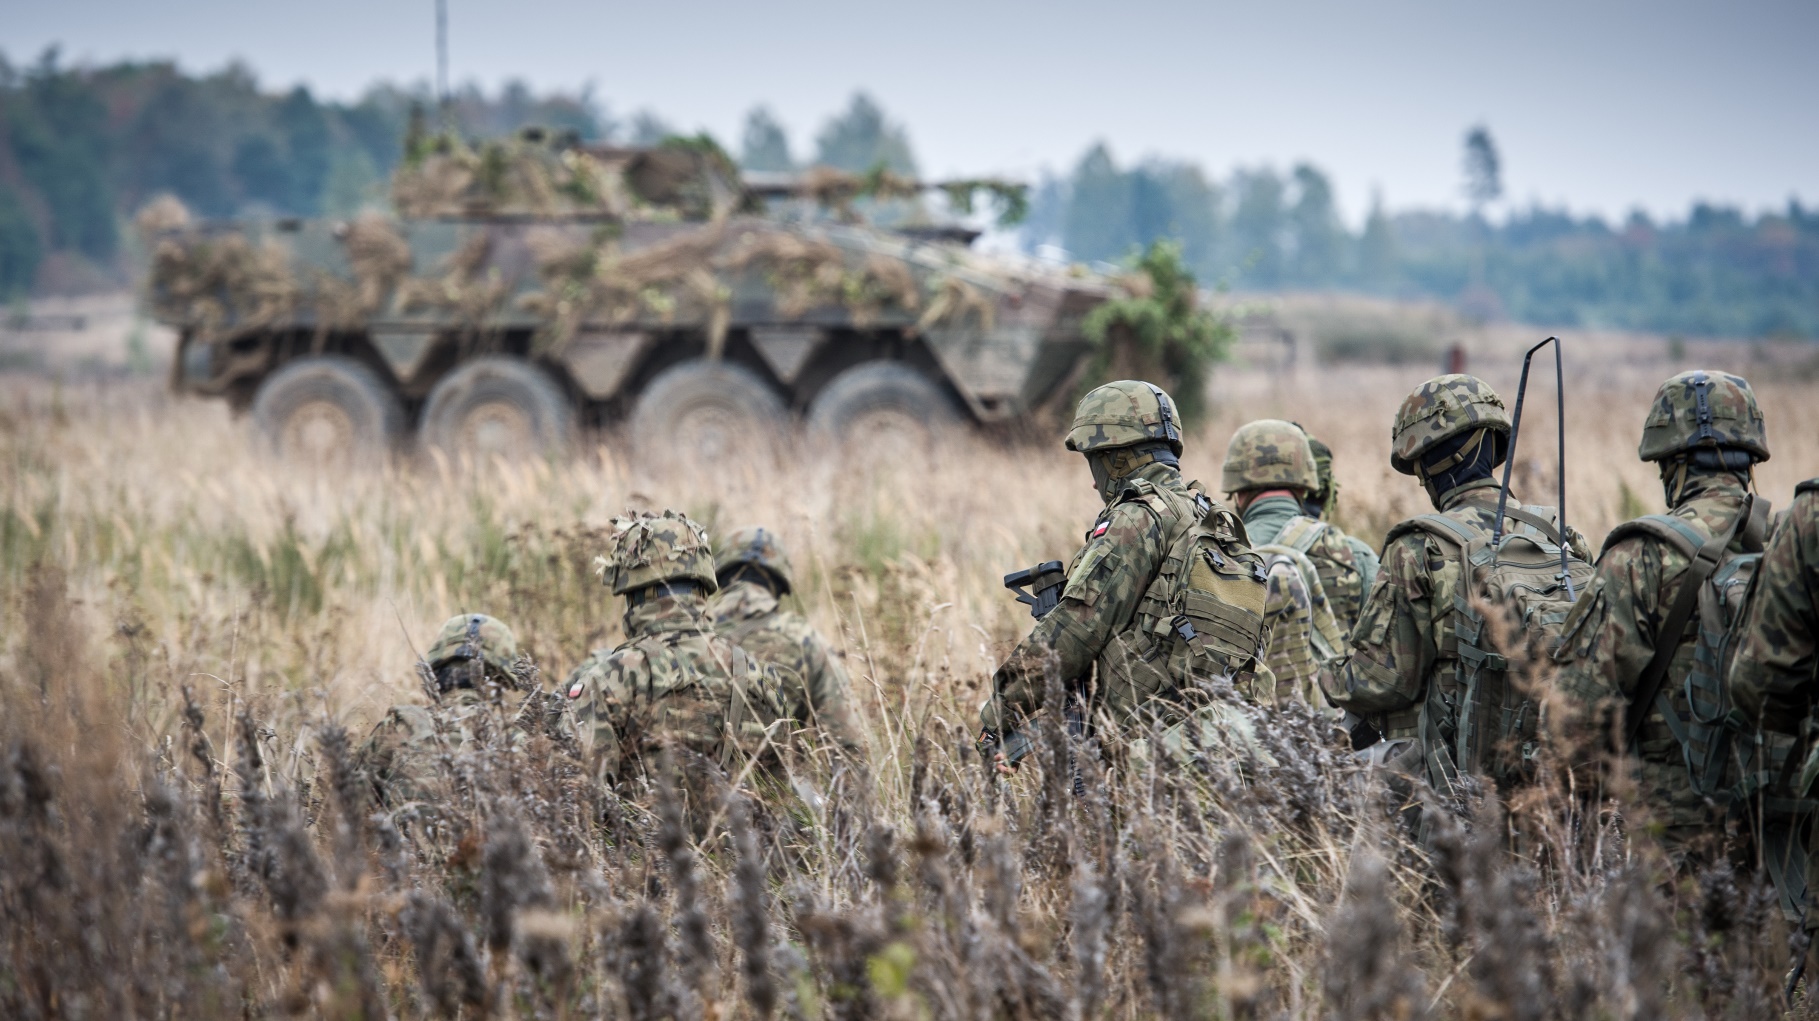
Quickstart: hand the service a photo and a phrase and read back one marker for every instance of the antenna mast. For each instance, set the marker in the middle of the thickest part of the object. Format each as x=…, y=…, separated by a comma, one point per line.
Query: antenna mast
x=442, y=99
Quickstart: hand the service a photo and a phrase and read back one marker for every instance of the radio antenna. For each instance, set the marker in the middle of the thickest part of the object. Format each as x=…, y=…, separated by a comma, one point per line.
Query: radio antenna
x=442, y=98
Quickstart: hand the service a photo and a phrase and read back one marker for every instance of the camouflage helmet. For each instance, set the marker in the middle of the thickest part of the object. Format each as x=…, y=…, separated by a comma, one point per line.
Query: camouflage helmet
x=1440, y=409
x=651, y=548
x=1323, y=468
x=755, y=545
x=1124, y=414
x=1269, y=454
x=475, y=636
x=1703, y=409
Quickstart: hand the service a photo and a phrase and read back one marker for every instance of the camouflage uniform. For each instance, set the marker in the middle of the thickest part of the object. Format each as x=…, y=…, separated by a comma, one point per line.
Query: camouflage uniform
x=1137, y=581
x=673, y=682
x=1270, y=456
x=482, y=686
x=1612, y=633
x=1347, y=564
x=1403, y=670
x=754, y=572
x=1773, y=681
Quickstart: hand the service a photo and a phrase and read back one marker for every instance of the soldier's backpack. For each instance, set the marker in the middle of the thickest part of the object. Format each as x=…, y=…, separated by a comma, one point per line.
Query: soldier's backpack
x=1328, y=637
x=1346, y=584
x=1714, y=596
x=1495, y=722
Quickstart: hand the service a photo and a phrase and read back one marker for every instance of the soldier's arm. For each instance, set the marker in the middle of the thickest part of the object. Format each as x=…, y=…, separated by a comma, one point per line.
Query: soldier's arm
x=829, y=692
x=1100, y=598
x=1392, y=645
x=1609, y=637
x=1772, y=678
x=595, y=691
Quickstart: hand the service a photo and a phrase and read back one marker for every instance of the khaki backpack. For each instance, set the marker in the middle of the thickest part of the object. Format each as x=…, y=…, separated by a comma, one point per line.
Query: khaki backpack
x=1495, y=724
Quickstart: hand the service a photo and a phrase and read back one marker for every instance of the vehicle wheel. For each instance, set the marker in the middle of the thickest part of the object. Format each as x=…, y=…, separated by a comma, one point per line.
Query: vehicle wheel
x=330, y=411
x=498, y=407
x=885, y=403
x=706, y=409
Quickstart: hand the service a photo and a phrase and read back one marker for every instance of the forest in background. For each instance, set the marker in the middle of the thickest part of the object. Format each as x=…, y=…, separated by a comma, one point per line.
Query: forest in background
x=81, y=148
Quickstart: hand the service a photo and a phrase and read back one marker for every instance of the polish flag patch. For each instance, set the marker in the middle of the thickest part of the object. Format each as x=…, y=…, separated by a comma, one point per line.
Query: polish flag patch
x=1100, y=530
x=574, y=690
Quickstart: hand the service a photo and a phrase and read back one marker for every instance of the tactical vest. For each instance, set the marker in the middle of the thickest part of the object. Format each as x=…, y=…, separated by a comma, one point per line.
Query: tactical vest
x=1478, y=721
x=1712, y=601
x=1345, y=584
x=1200, y=618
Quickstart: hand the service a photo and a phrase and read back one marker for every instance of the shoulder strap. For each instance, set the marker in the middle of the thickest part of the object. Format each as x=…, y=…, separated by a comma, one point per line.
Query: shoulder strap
x=1455, y=532
x=1302, y=532
x=1648, y=686
x=1528, y=516
x=1676, y=532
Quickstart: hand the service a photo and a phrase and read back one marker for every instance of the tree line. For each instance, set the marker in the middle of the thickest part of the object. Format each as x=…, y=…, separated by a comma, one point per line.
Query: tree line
x=81, y=148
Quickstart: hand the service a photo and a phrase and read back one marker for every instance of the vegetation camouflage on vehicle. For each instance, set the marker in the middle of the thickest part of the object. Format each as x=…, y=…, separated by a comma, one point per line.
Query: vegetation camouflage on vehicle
x=1266, y=454
x=603, y=264
x=1440, y=409
x=1703, y=409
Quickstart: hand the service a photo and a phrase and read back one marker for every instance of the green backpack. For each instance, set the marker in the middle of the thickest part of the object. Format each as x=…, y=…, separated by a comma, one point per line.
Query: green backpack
x=1495, y=724
x=1714, y=596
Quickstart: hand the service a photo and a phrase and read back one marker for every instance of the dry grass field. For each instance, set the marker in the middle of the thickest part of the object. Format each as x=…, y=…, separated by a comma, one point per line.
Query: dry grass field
x=195, y=634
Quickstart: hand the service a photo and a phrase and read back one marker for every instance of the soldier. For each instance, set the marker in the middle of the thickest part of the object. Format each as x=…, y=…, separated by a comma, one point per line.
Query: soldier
x=1165, y=597
x=478, y=682
x=754, y=573
x=673, y=683
x=1404, y=677
x=1704, y=431
x=1269, y=469
x=1773, y=682
x=1347, y=565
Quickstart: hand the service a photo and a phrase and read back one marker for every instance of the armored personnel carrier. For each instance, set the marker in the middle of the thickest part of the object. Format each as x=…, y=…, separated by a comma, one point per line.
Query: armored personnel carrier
x=532, y=287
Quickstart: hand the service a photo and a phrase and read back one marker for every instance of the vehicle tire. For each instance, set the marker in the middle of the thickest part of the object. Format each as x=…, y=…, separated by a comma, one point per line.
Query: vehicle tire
x=708, y=410
x=498, y=406
x=329, y=411
x=885, y=403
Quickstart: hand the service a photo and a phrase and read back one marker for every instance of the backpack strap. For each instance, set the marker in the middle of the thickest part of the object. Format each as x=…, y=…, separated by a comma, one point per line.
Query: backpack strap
x=1302, y=532
x=1528, y=517
x=1705, y=560
x=1440, y=526
x=1676, y=532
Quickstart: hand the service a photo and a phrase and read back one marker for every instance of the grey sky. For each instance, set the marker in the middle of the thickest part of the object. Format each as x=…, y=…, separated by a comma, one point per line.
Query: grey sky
x=1597, y=105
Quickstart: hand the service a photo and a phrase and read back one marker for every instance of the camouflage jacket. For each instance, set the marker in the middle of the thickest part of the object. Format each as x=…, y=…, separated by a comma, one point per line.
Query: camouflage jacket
x=1347, y=566
x=403, y=754
x=672, y=681
x=1610, y=637
x=1772, y=677
x=813, y=686
x=1403, y=649
x=1107, y=616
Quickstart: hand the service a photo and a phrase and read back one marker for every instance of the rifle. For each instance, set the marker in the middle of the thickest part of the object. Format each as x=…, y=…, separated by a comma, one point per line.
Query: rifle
x=1045, y=582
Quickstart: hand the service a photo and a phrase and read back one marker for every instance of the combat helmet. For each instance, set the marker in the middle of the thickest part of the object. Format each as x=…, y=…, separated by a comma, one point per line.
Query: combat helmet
x=1124, y=414
x=1269, y=454
x=1440, y=409
x=476, y=636
x=756, y=545
x=650, y=548
x=1323, y=491
x=1703, y=409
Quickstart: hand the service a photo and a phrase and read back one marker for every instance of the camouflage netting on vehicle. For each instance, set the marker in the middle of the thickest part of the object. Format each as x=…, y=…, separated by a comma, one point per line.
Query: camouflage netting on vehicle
x=216, y=281
x=526, y=173
x=381, y=260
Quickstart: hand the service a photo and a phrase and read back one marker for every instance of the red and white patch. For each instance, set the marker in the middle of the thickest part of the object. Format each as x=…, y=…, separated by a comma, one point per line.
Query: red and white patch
x=575, y=689
x=1100, y=529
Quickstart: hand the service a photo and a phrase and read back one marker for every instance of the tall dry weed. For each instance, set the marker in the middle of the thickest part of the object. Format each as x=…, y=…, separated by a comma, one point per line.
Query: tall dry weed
x=202, y=640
